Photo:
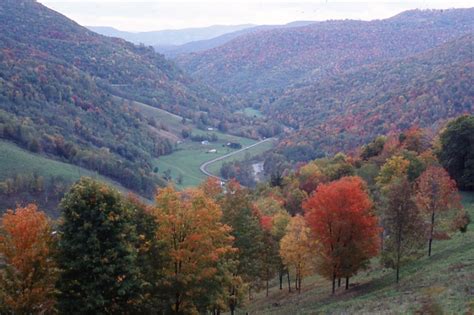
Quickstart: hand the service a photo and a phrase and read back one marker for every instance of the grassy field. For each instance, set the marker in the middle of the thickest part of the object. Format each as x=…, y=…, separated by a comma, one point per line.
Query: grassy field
x=190, y=155
x=252, y=112
x=15, y=160
x=214, y=168
x=441, y=284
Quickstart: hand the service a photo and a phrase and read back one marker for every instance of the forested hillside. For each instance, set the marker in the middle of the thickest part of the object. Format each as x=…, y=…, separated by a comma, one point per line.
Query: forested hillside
x=255, y=65
x=173, y=51
x=341, y=112
x=118, y=66
x=56, y=85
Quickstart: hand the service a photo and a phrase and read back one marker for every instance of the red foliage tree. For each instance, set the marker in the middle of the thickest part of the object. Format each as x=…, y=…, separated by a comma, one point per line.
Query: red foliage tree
x=340, y=216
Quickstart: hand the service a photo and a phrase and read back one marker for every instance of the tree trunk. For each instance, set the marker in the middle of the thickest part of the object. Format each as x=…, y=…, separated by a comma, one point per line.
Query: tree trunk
x=281, y=279
x=267, y=286
x=399, y=250
x=333, y=283
x=339, y=282
x=232, y=309
x=347, y=283
x=299, y=284
x=431, y=233
x=289, y=283
x=176, y=304
x=250, y=293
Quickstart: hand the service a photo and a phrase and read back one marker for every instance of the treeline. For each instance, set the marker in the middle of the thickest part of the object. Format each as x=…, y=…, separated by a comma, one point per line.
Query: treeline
x=208, y=249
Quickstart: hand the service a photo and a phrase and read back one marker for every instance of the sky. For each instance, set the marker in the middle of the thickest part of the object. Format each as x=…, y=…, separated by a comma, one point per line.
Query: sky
x=148, y=15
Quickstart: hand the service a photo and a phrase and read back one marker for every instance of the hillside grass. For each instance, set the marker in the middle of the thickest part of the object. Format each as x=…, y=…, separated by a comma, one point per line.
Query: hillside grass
x=440, y=284
x=251, y=112
x=17, y=161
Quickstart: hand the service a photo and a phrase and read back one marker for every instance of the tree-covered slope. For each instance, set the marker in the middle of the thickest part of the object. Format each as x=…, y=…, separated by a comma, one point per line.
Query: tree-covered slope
x=173, y=51
x=117, y=65
x=272, y=60
x=56, y=85
x=341, y=112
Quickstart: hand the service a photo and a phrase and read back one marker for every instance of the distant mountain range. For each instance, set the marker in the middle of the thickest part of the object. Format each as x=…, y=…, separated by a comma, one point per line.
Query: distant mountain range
x=170, y=37
x=253, y=64
x=172, y=51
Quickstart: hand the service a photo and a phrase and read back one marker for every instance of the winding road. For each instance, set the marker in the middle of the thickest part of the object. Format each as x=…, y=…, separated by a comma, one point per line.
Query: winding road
x=206, y=164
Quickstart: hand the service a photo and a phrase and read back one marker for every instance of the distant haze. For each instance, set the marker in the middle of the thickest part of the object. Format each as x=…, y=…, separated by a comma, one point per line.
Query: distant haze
x=178, y=14
x=170, y=37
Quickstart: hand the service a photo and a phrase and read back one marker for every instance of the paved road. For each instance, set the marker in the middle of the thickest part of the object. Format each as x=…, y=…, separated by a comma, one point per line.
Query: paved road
x=206, y=164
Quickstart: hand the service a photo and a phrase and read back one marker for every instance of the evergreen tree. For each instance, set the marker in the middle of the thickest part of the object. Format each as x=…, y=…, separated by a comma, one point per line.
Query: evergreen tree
x=97, y=252
x=457, y=151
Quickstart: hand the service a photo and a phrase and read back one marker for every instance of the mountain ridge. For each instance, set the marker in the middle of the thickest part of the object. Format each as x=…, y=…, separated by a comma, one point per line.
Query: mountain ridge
x=253, y=65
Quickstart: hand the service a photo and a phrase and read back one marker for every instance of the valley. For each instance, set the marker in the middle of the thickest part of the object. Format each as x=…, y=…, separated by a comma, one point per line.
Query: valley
x=183, y=165
x=324, y=165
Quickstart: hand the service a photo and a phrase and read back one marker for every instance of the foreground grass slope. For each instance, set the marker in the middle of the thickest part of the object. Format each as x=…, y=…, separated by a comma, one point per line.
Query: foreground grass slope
x=441, y=284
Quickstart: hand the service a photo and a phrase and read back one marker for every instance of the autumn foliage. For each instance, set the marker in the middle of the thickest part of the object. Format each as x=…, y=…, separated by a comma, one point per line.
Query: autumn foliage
x=298, y=249
x=26, y=246
x=340, y=216
x=437, y=193
x=197, y=242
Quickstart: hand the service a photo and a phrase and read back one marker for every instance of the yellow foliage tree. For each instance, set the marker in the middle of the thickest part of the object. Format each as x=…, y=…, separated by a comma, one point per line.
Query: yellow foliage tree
x=394, y=167
x=297, y=249
x=198, y=246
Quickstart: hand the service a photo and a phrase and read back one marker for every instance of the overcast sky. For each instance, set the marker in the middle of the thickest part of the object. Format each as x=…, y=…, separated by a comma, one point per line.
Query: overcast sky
x=147, y=15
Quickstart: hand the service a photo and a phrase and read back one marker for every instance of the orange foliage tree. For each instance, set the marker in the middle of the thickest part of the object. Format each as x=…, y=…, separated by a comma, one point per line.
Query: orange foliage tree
x=436, y=193
x=197, y=243
x=340, y=216
x=28, y=279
